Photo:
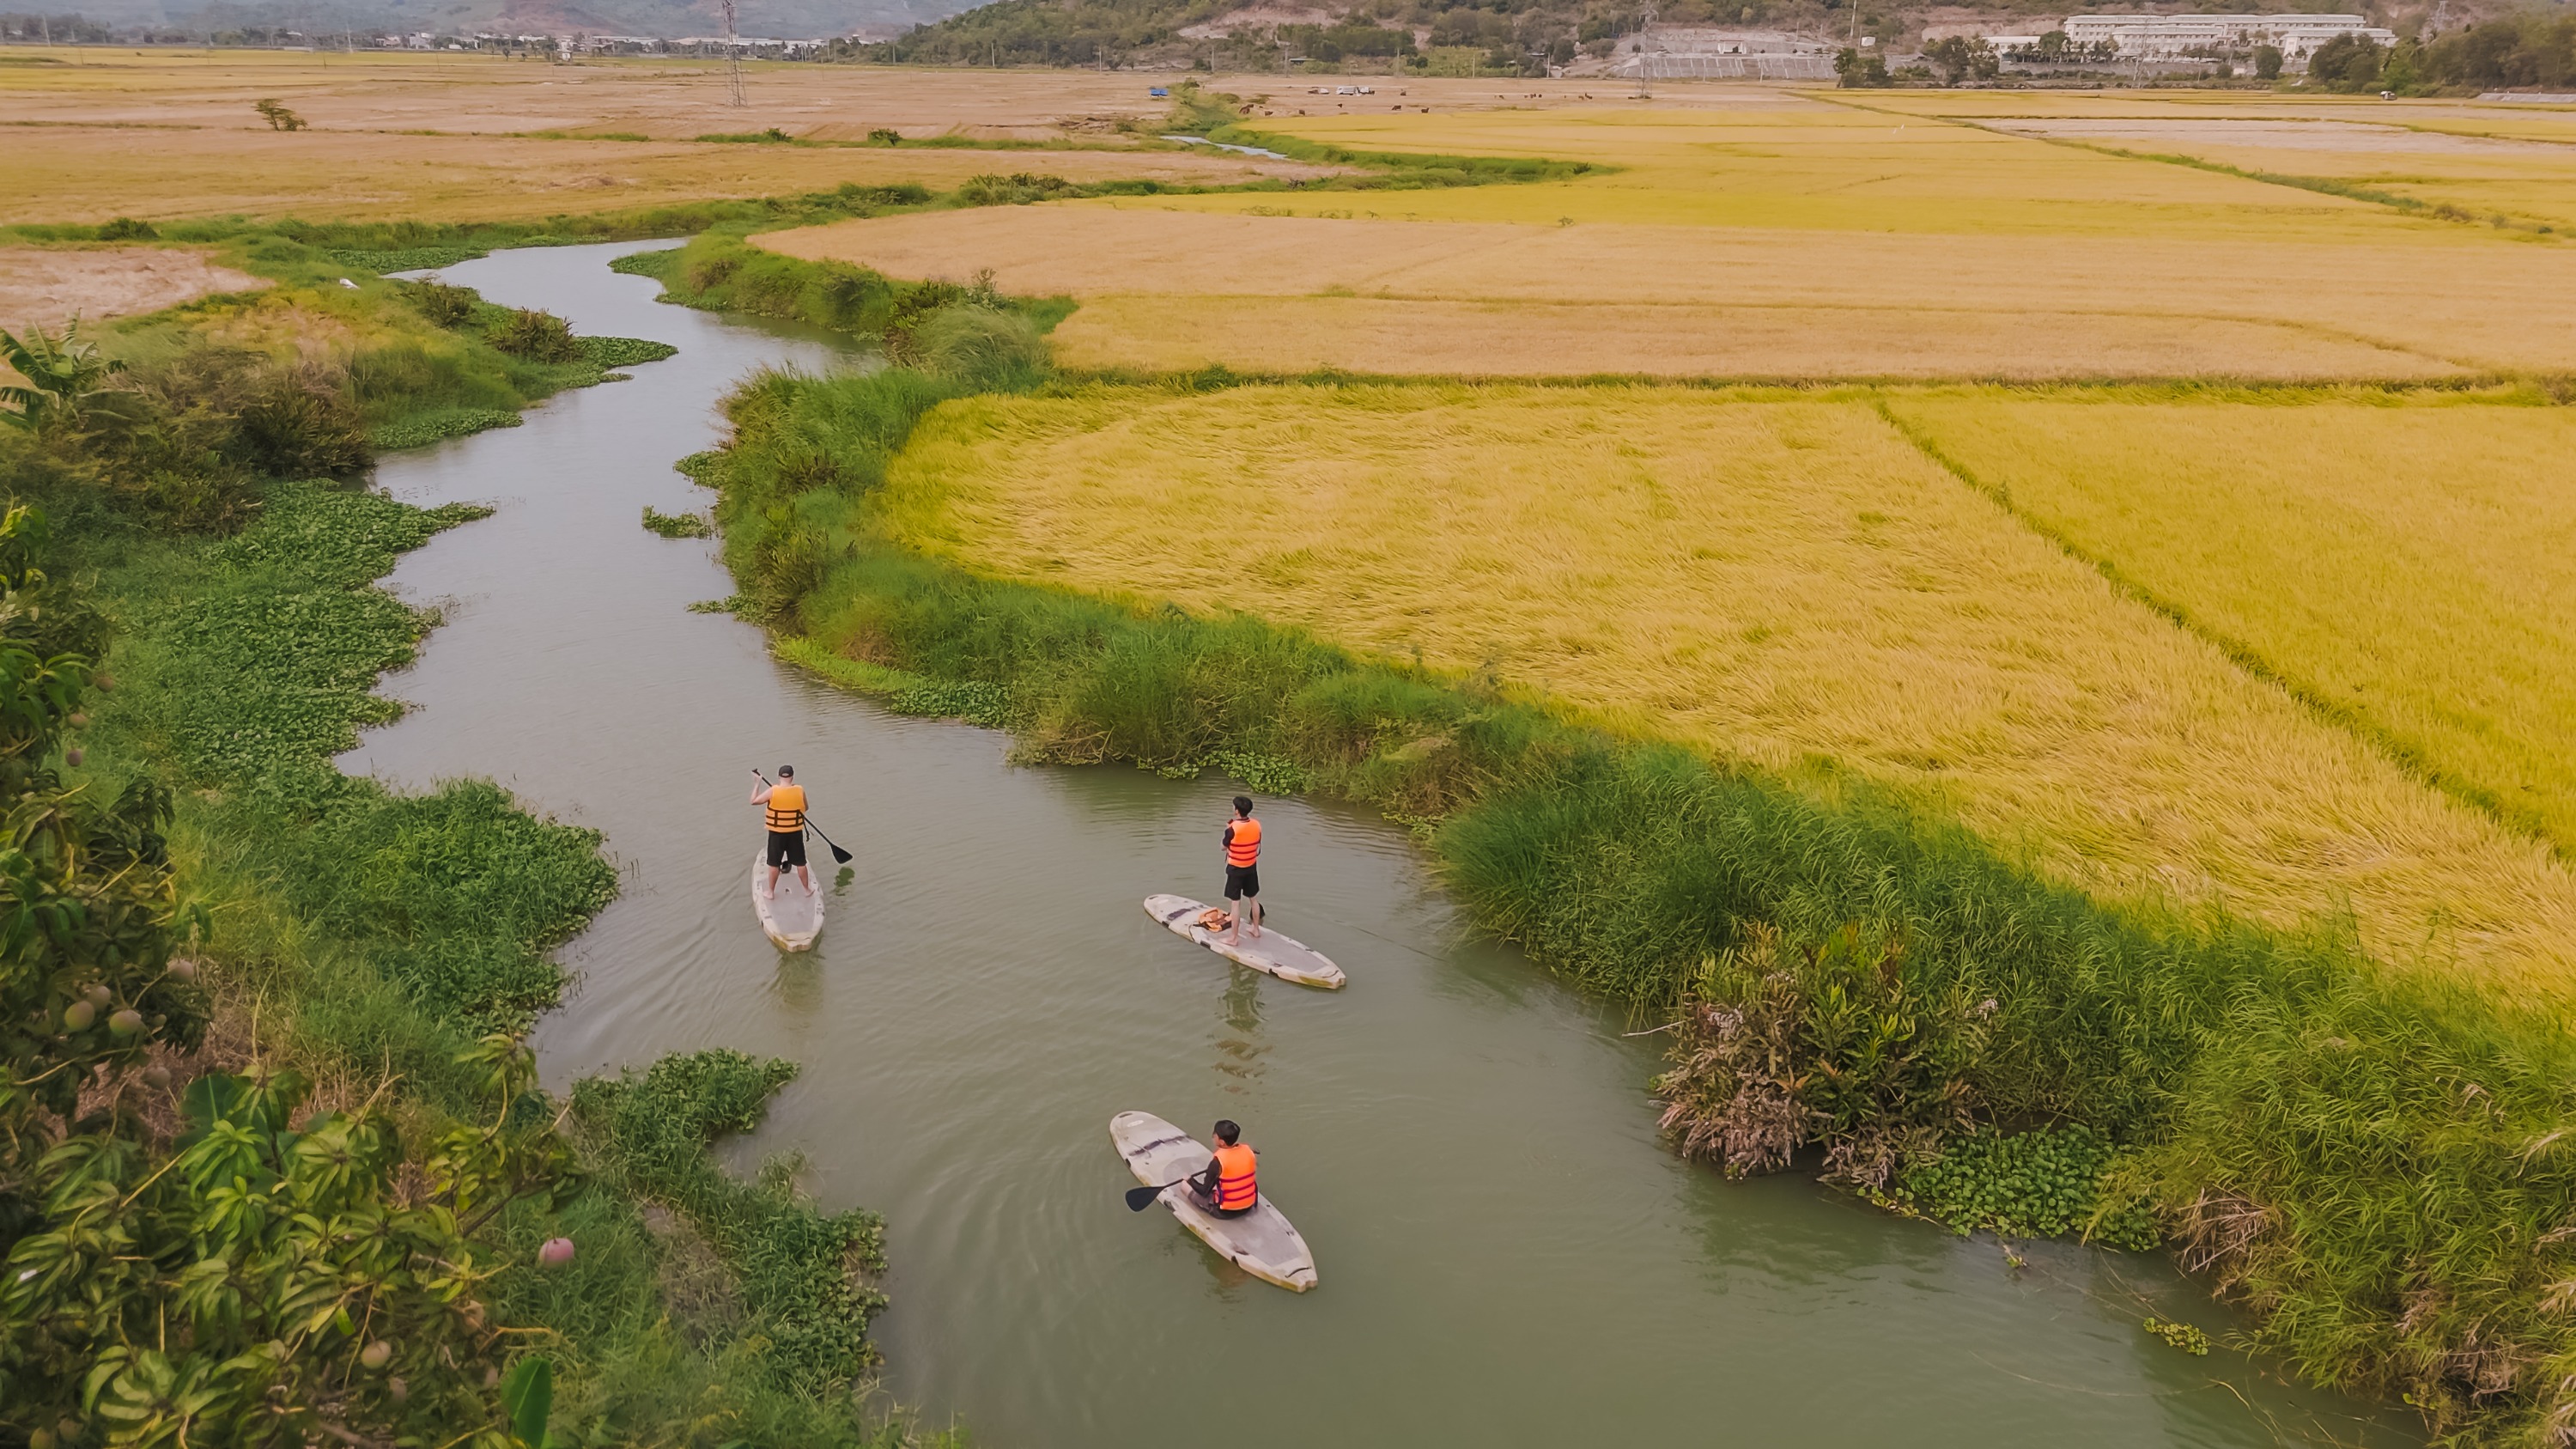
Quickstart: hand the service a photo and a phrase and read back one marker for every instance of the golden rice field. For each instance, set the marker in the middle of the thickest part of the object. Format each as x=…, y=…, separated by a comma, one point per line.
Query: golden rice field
x=2412, y=566
x=1784, y=578
x=1869, y=243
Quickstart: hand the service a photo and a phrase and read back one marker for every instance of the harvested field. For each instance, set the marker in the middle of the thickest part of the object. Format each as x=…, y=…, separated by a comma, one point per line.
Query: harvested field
x=89, y=174
x=1777, y=343
x=661, y=98
x=2514, y=310
x=1945, y=233
x=44, y=286
x=168, y=136
x=2407, y=566
x=1787, y=580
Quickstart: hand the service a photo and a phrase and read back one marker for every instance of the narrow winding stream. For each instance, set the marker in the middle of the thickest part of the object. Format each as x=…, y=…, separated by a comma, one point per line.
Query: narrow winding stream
x=1508, y=1257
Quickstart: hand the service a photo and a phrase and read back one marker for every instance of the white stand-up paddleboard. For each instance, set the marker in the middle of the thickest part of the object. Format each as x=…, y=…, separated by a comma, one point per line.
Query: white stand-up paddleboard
x=792, y=918
x=1260, y=1242
x=1277, y=954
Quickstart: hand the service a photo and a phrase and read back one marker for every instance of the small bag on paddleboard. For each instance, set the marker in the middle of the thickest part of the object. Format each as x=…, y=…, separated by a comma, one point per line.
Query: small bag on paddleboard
x=1215, y=918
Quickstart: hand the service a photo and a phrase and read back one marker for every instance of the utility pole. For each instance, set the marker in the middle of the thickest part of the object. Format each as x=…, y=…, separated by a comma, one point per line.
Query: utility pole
x=733, y=59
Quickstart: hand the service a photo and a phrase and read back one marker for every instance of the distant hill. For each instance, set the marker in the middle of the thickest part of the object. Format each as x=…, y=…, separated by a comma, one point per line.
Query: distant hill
x=667, y=19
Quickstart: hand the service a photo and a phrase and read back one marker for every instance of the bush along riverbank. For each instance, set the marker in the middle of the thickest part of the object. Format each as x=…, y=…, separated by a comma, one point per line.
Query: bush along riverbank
x=2380, y=1167
x=289, y=1000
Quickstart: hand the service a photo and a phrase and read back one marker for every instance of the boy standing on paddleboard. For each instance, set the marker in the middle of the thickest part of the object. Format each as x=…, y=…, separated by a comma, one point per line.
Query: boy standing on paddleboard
x=1243, y=868
x=786, y=806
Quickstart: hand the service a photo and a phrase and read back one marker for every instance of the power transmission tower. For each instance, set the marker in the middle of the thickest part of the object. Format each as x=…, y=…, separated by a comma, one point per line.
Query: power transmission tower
x=733, y=59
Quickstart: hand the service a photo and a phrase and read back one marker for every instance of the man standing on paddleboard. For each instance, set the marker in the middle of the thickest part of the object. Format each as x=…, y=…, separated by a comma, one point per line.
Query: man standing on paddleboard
x=1243, y=868
x=786, y=806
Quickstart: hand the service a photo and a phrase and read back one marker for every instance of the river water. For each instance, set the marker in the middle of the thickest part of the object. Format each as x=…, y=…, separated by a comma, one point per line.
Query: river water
x=1507, y=1255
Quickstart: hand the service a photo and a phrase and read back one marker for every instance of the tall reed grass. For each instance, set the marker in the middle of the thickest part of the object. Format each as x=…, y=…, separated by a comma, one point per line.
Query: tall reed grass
x=2381, y=1165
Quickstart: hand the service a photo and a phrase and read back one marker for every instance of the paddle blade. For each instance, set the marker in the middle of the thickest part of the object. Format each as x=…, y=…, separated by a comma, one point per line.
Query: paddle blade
x=1141, y=1198
x=839, y=856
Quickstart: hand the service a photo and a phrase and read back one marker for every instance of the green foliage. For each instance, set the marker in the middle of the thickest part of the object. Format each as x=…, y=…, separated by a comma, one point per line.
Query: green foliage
x=676, y=525
x=2349, y=62
x=608, y=352
x=440, y=304
x=971, y=700
x=1861, y=70
x=417, y=432
x=2267, y=62
x=270, y=1282
x=1017, y=189
x=406, y=259
x=1961, y=58
x=62, y=372
x=2180, y=1335
x=885, y=136
x=2042, y=1184
x=279, y=118
x=126, y=228
x=2514, y=49
x=799, y=1268
x=979, y=349
x=1267, y=774
x=535, y=335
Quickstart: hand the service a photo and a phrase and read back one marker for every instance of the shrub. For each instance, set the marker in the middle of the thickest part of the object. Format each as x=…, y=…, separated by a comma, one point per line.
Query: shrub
x=441, y=304
x=126, y=228
x=536, y=336
x=980, y=349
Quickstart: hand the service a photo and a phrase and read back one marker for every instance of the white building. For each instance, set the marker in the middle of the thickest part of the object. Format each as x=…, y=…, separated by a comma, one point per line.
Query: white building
x=2174, y=37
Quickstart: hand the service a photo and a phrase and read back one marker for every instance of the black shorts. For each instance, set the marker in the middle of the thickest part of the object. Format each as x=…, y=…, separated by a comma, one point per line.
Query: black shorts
x=786, y=848
x=1242, y=882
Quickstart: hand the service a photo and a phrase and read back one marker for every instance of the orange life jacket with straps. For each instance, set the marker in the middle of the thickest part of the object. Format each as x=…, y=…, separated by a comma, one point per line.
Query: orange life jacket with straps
x=786, y=809
x=1235, y=1188
x=1243, y=847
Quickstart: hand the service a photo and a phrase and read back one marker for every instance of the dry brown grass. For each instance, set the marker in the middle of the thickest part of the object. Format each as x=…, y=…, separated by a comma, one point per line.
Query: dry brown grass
x=2159, y=308
x=1878, y=246
x=1537, y=339
x=1777, y=579
x=44, y=286
x=169, y=136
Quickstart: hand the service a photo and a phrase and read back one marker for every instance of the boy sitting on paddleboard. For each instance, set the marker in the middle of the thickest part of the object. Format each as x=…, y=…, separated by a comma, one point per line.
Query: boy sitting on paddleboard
x=786, y=802
x=1243, y=869
x=1228, y=1188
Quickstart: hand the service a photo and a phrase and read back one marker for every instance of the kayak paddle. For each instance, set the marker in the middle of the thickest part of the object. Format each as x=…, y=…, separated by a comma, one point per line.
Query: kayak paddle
x=839, y=856
x=1141, y=1198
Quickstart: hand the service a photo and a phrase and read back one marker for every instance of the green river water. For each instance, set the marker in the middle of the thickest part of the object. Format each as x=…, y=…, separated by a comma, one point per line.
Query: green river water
x=1508, y=1256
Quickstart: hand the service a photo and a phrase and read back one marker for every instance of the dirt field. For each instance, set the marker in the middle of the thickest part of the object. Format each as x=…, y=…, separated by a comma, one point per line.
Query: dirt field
x=665, y=99
x=1781, y=579
x=43, y=286
x=1171, y=283
x=168, y=136
x=1779, y=238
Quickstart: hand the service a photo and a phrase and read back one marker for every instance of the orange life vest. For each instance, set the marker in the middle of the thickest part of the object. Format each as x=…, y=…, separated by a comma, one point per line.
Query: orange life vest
x=786, y=808
x=1234, y=1184
x=1243, y=848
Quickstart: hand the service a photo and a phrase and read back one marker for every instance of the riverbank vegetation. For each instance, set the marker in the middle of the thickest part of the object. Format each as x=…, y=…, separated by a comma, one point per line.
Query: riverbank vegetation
x=2364, y=1156
x=356, y=965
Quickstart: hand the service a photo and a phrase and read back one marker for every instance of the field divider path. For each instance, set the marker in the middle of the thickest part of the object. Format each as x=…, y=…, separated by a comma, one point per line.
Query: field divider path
x=2405, y=754
x=2322, y=185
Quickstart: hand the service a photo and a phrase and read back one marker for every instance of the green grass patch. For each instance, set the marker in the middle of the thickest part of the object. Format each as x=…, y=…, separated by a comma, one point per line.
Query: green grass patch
x=427, y=428
x=799, y=1269
x=676, y=525
x=608, y=352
